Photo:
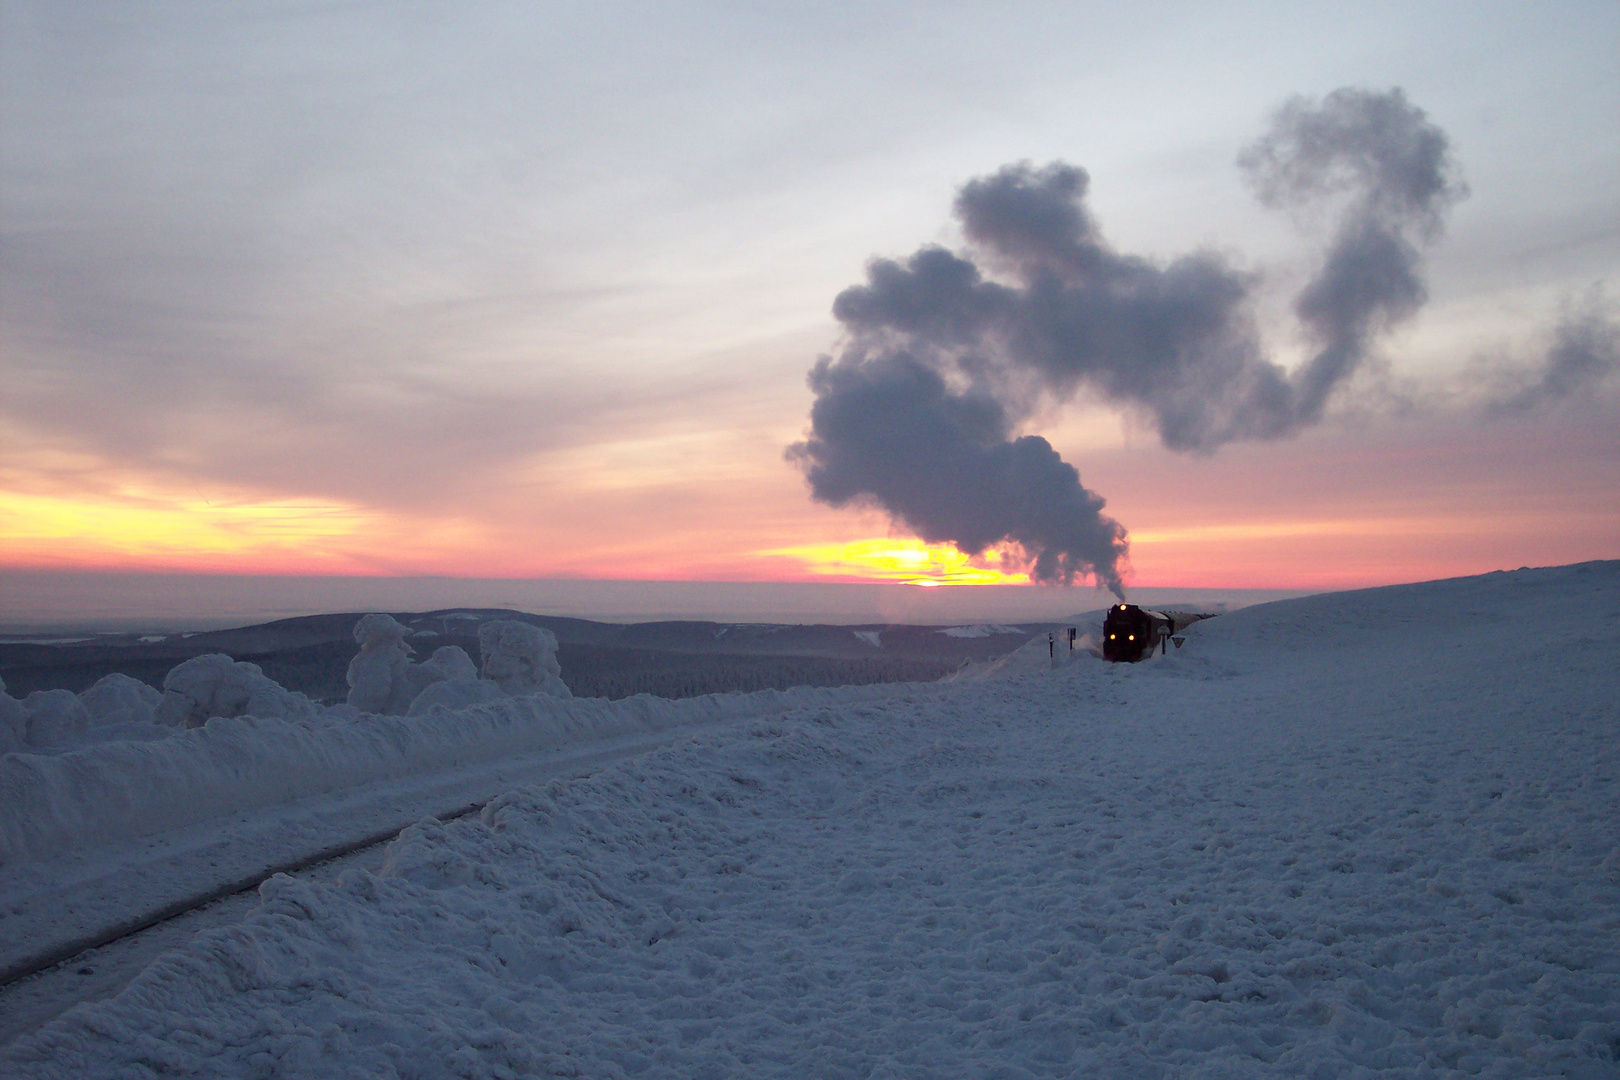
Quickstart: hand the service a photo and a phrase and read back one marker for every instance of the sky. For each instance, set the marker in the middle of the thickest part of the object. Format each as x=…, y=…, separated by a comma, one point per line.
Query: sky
x=532, y=291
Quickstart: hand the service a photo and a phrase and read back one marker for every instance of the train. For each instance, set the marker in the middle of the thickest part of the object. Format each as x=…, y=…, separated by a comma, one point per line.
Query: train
x=1131, y=633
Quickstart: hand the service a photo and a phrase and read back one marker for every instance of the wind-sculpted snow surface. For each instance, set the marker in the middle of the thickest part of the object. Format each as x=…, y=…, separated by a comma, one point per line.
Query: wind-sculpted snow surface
x=115, y=792
x=1355, y=835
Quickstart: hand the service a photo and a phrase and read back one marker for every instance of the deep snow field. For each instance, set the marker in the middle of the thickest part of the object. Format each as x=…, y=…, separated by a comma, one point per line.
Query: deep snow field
x=1369, y=833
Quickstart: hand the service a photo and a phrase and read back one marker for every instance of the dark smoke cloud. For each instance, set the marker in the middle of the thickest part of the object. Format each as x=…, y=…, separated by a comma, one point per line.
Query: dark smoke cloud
x=947, y=354
x=890, y=431
x=1176, y=341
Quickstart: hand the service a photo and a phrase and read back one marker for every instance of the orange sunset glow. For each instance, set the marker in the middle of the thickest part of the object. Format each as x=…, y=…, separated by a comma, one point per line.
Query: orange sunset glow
x=906, y=561
x=1233, y=521
x=153, y=530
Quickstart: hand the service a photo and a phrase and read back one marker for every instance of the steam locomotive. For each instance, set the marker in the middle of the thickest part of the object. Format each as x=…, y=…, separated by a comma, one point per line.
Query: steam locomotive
x=1131, y=633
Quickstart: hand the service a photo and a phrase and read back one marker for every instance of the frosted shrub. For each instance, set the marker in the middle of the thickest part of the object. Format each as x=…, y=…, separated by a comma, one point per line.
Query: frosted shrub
x=450, y=662
x=454, y=695
x=383, y=680
x=521, y=659
x=448, y=666
x=377, y=674
x=55, y=717
x=119, y=699
x=215, y=685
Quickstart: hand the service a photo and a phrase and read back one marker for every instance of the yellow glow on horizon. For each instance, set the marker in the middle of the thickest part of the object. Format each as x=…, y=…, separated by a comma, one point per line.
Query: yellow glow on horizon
x=143, y=525
x=903, y=560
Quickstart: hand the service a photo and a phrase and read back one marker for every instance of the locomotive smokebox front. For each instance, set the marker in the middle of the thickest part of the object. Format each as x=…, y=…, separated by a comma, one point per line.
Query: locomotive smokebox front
x=1131, y=633
x=1128, y=633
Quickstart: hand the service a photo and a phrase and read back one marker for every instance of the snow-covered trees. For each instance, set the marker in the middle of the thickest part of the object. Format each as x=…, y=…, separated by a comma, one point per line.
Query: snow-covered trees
x=518, y=659
x=521, y=658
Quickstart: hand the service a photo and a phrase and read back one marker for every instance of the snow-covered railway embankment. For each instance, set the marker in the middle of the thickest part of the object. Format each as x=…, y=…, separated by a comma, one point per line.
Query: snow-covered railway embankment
x=119, y=791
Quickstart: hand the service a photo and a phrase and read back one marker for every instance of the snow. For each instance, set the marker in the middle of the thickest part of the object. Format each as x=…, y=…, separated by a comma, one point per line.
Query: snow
x=213, y=685
x=383, y=680
x=53, y=906
x=521, y=658
x=54, y=717
x=377, y=674
x=119, y=699
x=873, y=638
x=1360, y=834
x=981, y=630
x=107, y=793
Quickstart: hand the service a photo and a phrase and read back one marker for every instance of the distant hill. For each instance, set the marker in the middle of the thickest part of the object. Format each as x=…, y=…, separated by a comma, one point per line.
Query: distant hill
x=311, y=653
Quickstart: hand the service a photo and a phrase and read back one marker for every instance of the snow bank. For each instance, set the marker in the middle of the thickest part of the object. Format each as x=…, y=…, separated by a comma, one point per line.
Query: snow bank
x=981, y=630
x=13, y=722
x=107, y=793
x=252, y=743
x=117, y=706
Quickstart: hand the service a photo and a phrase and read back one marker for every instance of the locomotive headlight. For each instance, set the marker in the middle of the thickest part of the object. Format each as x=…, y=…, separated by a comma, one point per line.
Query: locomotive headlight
x=1130, y=637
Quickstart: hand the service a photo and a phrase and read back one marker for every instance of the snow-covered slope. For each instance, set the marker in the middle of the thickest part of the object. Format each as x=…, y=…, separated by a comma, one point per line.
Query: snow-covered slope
x=112, y=792
x=1363, y=834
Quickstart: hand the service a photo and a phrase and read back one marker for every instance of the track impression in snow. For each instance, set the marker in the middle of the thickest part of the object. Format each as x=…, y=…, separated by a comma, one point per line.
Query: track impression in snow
x=1361, y=832
x=101, y=971
x=210, y=884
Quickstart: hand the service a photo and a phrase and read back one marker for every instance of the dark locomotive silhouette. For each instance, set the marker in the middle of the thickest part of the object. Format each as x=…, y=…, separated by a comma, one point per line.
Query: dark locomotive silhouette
x=1131, y=633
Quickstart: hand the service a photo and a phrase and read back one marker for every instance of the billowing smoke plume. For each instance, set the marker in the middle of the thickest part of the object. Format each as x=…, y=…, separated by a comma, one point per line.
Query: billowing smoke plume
x=889, y=430
x=947, y=354
x=1381, y=152
x=1585, y=352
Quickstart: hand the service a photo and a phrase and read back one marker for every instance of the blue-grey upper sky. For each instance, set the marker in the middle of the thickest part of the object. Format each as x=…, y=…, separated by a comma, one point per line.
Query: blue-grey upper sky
x=478, y=265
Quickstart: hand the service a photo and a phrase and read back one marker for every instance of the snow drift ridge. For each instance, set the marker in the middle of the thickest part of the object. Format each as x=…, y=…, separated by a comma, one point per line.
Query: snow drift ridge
x=112, y=792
